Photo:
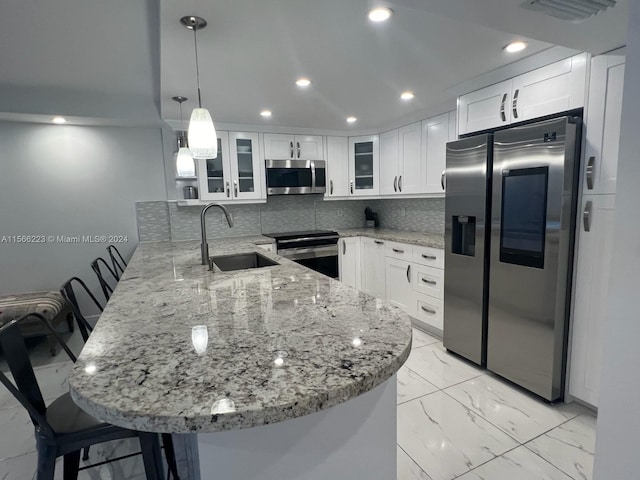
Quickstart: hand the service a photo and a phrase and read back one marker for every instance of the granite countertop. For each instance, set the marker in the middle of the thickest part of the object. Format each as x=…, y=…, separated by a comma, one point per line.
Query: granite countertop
x=434, y=240
x=284, y=341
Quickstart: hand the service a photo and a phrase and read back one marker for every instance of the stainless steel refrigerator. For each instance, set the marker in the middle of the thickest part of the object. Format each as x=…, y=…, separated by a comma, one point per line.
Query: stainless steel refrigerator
x=509, y=233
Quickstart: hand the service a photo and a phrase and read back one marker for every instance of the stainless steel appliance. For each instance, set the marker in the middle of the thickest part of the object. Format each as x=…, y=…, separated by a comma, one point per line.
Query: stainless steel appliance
x=296, y=177
x=315, y=249
x=507, y=284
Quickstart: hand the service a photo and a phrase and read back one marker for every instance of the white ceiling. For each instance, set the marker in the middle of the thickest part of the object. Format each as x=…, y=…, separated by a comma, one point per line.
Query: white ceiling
x=123, y=60
x=252, y=52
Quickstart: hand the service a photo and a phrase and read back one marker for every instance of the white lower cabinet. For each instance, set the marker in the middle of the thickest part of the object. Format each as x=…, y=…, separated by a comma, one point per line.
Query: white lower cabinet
x=349, y=261
x=410, y=277
x=373, y=266
x=589, y=318
x=398, y=284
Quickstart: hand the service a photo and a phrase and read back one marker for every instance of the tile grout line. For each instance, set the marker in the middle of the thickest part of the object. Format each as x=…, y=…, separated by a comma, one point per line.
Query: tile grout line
x=412, y=459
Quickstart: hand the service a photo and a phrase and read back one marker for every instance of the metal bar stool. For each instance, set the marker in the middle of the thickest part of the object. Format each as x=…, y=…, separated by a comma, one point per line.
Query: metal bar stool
x=99, y=266
x=70, y=295
x=62, y=429
x=117, y=261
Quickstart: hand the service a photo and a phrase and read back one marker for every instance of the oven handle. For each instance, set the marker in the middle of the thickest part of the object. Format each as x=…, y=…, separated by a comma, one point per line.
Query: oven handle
x=306, y=239
x=312, y=252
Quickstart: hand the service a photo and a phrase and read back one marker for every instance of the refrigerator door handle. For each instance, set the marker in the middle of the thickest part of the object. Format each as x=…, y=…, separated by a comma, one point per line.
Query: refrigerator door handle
x=515, y=103
x=586, y=216
x=503, y=114
x=590, y=172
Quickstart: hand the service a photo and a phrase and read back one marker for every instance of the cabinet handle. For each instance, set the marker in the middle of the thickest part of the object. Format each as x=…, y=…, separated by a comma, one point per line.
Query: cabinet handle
x=395, y=183
x=443, y=177
x=291, y=146
x=344, y=247
x=590, y=168
x=428, y=310
x=228, y=189
x=400, y=183
x=503, y=115
x=351, y=182
x=409, y=273
x=515, y=103
x=430, y=282
x=397, y=250
x=330, y=187
x=428, y=257
x=235, y=188
x=586, y=216
x=298, y=145
x=379, y=242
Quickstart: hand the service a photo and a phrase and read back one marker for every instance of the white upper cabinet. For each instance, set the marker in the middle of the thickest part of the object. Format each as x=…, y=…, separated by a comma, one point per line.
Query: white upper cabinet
x=337, y=167
x=364, y=165
x=237, y=173
x=602, y=124
x=485, y=108
x=410, y=167
x=214, y=174
x=389, y=162
x=435, y=135
x=293, y=147
x=551, y=89
x=247, y=169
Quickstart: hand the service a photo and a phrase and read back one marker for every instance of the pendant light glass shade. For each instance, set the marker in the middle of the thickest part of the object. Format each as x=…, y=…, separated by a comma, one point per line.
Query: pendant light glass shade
x=185, y=166
x=203, y=139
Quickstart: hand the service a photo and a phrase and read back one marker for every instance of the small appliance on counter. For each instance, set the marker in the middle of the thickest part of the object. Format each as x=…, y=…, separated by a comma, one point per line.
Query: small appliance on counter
x=371, y=218
x=190, y=192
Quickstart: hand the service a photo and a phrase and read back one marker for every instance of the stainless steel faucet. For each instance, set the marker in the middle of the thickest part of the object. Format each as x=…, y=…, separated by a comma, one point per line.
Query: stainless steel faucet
x=203, y=228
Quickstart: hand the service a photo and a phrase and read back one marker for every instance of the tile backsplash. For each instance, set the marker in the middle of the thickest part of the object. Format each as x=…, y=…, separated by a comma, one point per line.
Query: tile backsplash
x=163, y=221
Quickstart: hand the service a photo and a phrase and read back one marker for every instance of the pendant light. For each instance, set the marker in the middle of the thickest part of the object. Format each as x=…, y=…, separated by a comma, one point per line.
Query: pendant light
x=185, y=166
x=203, y=140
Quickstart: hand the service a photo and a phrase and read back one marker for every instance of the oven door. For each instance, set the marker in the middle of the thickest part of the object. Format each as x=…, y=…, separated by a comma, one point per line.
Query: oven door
x=299, y=177
x=323, y=259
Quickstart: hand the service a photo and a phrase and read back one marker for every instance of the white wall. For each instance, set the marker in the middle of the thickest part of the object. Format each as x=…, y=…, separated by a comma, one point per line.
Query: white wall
x=71, y=180
x=618, y=430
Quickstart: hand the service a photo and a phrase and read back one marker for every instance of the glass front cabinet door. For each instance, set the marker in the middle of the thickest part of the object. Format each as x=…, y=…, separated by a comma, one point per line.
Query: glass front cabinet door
x=364, y=165
x=236, y=173
x=246, y=166
x=214, y=173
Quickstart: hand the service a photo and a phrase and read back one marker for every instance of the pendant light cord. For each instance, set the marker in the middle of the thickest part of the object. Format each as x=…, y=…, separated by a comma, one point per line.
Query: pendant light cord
x=181, y=119
x=195, y=43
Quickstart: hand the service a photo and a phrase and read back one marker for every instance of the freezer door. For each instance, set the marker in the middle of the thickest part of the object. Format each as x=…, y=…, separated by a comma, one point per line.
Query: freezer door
x=532, y=235
x=465, y=266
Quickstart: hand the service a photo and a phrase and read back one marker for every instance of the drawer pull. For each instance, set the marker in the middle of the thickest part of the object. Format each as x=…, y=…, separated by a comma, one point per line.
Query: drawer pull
x=428, y=310
x=397, y=250
x=428, y=257
x=430, y=282
x=379, y=242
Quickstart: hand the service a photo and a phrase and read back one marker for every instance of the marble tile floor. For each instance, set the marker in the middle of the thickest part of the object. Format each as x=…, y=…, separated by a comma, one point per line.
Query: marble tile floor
x=455, y=421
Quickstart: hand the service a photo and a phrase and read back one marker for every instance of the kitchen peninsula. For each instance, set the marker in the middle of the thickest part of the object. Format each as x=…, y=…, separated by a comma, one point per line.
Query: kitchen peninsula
x=296, y=379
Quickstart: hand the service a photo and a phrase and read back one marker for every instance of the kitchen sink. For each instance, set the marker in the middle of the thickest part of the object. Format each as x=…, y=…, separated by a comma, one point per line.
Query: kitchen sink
x=228, y=263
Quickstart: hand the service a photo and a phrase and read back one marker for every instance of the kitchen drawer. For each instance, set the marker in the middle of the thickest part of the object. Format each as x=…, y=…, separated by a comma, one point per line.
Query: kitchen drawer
x=428, y=280
x=433, y=257
x=430, y=311
x=401, y=251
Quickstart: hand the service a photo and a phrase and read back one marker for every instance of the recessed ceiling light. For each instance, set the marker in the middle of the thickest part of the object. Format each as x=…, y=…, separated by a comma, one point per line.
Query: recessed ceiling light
x=266, y=113
x=303, y=82
x=59, y=120
x=351, y=119
x=408, y=95
x=380, y=14
x=515, y=47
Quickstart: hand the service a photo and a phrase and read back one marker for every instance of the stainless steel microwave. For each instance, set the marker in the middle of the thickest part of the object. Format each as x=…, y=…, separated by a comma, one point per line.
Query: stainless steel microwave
x=296, y=177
